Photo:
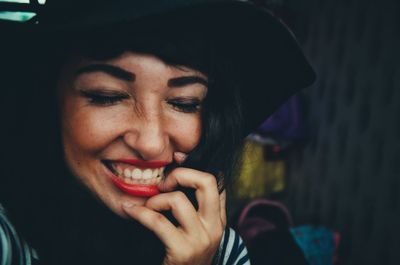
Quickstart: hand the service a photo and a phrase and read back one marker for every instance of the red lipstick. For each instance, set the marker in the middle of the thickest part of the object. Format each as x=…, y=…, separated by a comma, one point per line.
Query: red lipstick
x=135, y=189
x=139, y=190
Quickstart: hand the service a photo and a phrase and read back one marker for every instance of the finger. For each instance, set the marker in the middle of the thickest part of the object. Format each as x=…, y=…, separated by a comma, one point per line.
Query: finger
x=205, y=185
x=155, y=222
x=179, y=157
x=222, y=206
x=181, y=208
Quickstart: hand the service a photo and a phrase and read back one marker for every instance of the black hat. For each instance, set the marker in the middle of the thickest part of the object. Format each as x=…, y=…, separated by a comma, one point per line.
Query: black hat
x=269, y=64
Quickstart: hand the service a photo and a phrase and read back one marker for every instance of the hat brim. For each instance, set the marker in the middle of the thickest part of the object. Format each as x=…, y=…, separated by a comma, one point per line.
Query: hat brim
x=267, y=62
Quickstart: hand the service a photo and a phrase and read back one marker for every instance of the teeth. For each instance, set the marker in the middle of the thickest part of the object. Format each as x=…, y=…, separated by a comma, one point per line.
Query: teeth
x=131, y=175
x=153, y=181
x=147, y=173
x=127, y=173
x=129, y=180
x=155, y=173
x=136, y=173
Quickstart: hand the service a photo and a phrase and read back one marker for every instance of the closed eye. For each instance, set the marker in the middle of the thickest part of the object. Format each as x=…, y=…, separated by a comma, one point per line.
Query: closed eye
x=186, y=105
x=103, y=97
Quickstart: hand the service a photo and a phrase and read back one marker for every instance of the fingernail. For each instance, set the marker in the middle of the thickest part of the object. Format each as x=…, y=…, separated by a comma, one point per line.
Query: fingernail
x=180, y=157
x=127, y=204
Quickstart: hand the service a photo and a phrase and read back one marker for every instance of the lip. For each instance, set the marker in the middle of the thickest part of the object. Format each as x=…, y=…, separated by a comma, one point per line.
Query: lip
x=135, y=189
x=138, y=190
x=141, y=163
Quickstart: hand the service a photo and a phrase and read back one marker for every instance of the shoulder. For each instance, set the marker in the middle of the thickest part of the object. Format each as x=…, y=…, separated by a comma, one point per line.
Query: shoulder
x=232, y=249
x=5, y=243
x=13, y=249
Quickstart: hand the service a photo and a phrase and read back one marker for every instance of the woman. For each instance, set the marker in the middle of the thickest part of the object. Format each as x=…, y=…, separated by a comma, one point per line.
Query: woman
x=148, y=105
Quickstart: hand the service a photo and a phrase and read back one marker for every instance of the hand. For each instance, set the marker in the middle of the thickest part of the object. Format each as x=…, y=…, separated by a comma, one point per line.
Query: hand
x=197, y=237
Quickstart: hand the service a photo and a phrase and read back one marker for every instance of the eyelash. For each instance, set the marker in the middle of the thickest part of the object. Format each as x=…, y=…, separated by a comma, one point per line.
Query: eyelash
x=185, y=105
x=102, y=99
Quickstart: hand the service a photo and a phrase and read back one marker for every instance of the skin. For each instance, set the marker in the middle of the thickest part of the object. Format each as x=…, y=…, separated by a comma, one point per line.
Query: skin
x=146, y=124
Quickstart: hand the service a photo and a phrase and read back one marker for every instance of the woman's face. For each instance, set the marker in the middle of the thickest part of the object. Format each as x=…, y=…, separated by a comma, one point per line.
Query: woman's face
x=124, y=119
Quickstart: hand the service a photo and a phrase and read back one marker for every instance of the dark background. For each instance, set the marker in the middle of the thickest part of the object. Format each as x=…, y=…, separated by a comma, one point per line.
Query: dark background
x=346, y=175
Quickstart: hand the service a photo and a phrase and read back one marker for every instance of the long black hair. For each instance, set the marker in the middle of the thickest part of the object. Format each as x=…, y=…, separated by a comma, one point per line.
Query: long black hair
x=54, y=212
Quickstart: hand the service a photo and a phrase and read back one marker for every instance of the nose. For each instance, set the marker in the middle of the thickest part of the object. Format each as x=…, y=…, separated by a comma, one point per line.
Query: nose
x=147, y=138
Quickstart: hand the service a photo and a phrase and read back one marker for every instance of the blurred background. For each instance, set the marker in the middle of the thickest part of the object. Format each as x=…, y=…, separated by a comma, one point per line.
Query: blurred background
x=331, y=155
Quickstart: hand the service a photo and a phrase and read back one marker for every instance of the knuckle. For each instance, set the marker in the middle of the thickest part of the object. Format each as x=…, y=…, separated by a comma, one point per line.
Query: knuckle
x=151, y=201
x=209, y=180
x=176, y=172
x=159, y=219
x=178, y=197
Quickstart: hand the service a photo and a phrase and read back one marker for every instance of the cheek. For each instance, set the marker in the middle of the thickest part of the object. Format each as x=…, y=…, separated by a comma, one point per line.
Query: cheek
x=186, y=133
x=87, y=130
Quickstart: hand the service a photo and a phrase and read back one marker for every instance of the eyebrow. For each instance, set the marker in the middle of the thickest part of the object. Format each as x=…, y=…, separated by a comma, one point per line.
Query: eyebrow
x=112, y=70
x=186, y=80
x=120, y=73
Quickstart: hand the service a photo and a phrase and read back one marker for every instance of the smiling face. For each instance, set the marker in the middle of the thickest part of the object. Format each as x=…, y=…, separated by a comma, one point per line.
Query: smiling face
x=123, y=120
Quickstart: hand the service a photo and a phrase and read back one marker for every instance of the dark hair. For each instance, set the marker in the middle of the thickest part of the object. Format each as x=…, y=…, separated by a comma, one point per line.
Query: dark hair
x=191, y=47
x=46, y=207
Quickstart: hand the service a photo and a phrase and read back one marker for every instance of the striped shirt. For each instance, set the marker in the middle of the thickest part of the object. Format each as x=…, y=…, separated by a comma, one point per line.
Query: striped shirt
x=232, y=250
x=15, y=251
